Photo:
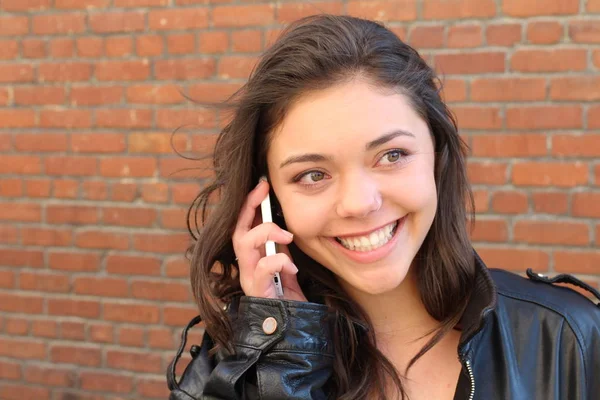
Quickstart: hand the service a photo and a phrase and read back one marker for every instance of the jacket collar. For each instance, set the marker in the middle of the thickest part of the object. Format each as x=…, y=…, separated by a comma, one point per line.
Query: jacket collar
x=483, y=299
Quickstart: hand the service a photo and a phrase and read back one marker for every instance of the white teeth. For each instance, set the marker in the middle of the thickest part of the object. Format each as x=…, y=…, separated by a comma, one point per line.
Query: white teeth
x=370, y=242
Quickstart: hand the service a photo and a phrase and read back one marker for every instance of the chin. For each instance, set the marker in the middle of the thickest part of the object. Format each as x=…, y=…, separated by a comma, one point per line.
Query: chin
x=378, y=284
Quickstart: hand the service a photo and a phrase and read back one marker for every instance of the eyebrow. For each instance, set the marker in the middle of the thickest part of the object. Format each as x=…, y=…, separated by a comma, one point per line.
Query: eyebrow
x=313, y=157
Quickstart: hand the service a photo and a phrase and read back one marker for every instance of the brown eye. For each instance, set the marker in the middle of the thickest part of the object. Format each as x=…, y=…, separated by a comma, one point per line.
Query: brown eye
x=393, y=156
x=316, y=176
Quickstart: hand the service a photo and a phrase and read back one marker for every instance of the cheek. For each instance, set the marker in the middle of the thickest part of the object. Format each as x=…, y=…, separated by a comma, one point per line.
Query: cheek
x=305, y=218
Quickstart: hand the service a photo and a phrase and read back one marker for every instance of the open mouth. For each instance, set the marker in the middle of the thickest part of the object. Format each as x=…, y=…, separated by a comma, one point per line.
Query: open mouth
x=370, y=242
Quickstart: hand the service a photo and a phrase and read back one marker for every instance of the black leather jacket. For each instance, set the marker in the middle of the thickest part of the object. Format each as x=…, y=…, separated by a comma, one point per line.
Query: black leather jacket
x=522, y=339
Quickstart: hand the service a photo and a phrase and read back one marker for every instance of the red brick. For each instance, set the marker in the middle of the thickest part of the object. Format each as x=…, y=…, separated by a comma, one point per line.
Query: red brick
x=175, y=218
x=5, y=142
x=13, y=25
x=384, y=10
x=80, y=355
x=24, y=349
x=22, y=258
x=74, y=261
x=140, y=3
x=30, y=5
x=17, y=118
x=593, y=5
x=557, y=60
x=157, y=143
x=149, y=45
x=71, y=165
x=575, y=145
x=81, y=4
x=593, y=117
x=209, y=92
x=505, y=202
x=118, y=46
x=39, y=95
x=33, y=48
x=506, y=145
x=68, y=118
x=586, y=204
x=478, y=117
x=423, y=37
x=16, y=303
x=47, y=329
x=70, y=330
x=180, y=168
x=131, y=313
x=487, y=173
x=184, y=69
x=179, y=19
x=597, y=234
x=154, y=94
x=97, y=142
x=130, y=361
x=580, y=262
x=123, y=118
x=131, y=336
x=44, y=282
x=12, y=73
x=559, y=174
x=514, y=259
x=544, y=32
x=7, y=279
x=128, y=216
x=102, y=240
x=9, y=234
x=580, y=88
x=192, y=119
x=152, y=389
x=58, y=24
x=213, y=42
x=161, y=291
x=90, y=47
x=550, y=202
x=551, y=233
x=160, y=338
x=75, y=308
x=122, y=70
x=50, y=376
x=4, y=101
x=518, y=8
x=105, y=382
x=116, y=22
x=489, y=231
x=288, y=12
x=184, y=193
x=9, y=49
x=37, y=236
x=62, y=48
x=155, y=192
x=454, y=90
x=132, y=265
x=161, y=243
x=236, y=66
x=10, y=370
x=544, y=117
x=16, y=326
x=19, y=391
x=102, y=333
x=178, y=316
x=470, y=63
x=124, y=192
x=181, y=43
x=94, y=190
x=128, y=166
x=24, y=212
x=103, y=287
x=460, y=36
x=508, y=89
x=11, y=187
x=455, y=9
x=40, y=142
x=178, y=267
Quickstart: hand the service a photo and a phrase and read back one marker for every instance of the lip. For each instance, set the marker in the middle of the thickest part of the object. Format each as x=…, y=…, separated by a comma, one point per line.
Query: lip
x=366, y=233
x=373, y=255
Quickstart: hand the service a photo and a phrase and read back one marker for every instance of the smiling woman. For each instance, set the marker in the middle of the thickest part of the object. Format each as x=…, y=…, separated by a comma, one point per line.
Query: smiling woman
x=384, y=296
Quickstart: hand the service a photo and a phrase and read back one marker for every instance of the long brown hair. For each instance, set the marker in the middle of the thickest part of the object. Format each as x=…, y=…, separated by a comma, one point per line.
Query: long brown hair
x=312, y=54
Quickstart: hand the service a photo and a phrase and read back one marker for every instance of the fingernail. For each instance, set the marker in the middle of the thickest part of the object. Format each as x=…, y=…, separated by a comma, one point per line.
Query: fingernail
x=263, y=178
x=290, y=234
x=296, y=268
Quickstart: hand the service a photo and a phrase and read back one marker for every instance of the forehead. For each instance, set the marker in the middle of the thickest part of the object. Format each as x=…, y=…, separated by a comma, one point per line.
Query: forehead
x=349, y=114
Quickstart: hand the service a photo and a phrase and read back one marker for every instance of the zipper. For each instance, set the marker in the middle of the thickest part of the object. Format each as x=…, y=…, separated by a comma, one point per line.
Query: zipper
x=471, y=379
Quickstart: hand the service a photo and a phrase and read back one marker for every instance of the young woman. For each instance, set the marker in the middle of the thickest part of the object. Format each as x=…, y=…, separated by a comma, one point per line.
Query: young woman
x=384, y=296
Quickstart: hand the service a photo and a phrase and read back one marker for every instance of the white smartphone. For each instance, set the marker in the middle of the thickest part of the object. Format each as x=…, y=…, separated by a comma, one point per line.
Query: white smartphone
x=265, y=209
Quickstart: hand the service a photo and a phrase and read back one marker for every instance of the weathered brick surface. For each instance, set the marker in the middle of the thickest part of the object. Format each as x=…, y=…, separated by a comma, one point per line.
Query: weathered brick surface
x=94, y=285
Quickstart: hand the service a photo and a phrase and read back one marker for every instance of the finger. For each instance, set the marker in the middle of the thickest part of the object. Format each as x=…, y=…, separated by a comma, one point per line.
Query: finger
x=260, y=234
x=248, y=212
x=266, y=269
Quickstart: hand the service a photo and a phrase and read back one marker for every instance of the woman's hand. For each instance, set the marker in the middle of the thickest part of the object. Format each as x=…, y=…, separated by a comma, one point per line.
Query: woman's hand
x=256, y=269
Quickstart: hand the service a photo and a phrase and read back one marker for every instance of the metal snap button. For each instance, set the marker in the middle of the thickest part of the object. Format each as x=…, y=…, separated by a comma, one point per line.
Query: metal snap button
x=269, y=325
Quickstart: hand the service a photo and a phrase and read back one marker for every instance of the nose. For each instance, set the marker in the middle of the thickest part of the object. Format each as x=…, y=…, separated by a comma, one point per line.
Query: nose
x=358, y=195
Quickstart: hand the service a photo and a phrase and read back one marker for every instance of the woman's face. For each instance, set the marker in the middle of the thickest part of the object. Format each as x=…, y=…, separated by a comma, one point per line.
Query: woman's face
x=353, y=170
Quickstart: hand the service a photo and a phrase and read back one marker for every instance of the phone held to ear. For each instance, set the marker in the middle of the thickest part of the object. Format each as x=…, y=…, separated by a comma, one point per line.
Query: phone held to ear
x=265, y=209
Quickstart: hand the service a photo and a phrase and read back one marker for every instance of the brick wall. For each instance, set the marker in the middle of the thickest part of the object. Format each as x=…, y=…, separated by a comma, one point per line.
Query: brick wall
x=93, y=285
